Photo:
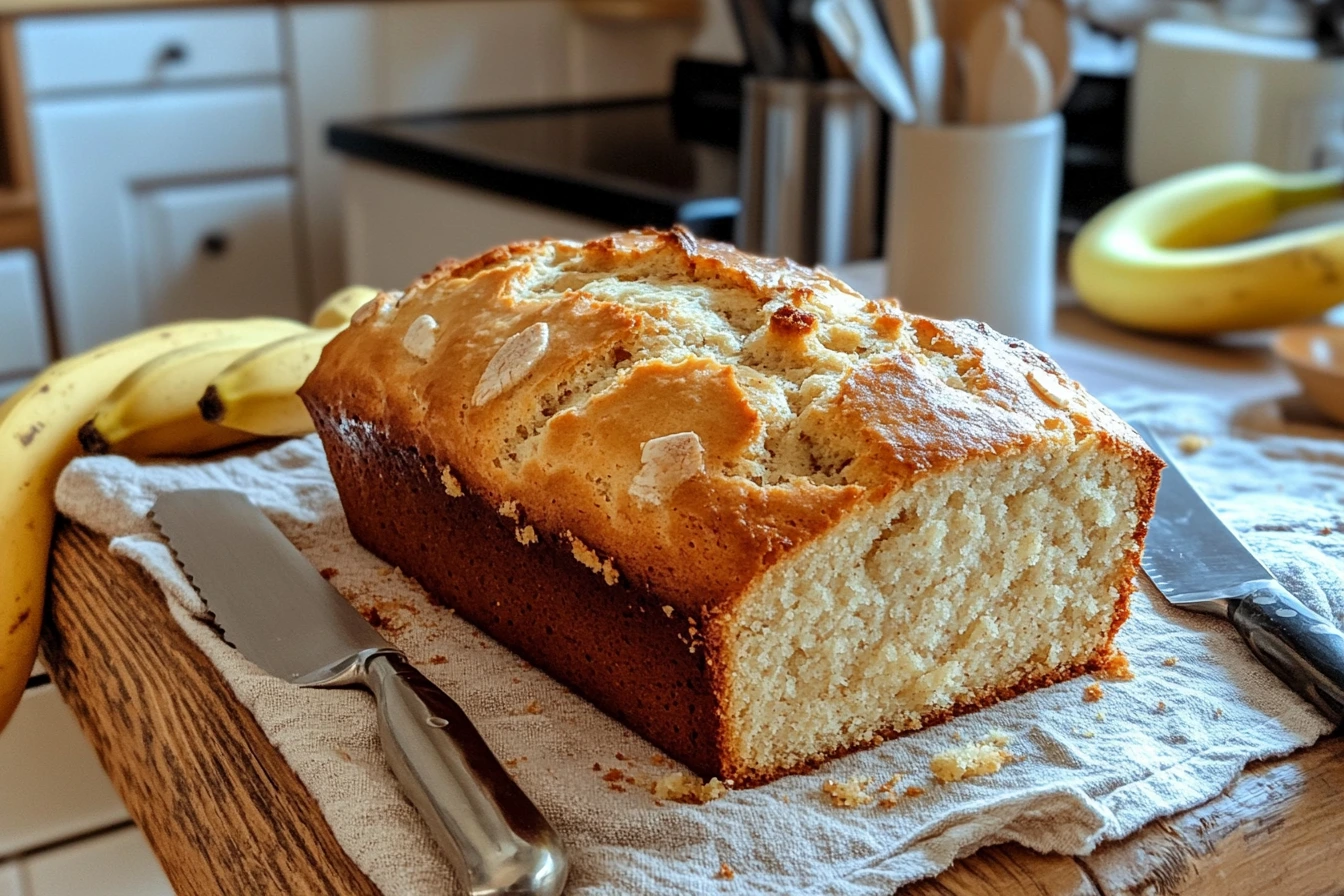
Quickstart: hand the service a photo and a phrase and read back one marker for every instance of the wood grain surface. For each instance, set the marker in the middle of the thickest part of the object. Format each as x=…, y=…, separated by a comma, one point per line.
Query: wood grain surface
x=227, y=815
x=221, y=808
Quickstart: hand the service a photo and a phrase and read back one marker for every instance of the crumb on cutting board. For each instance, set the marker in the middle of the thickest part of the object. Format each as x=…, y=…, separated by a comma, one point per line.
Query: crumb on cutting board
x=1170, y=661
x=1093, y=692
x=725, y=872
x=849, y=794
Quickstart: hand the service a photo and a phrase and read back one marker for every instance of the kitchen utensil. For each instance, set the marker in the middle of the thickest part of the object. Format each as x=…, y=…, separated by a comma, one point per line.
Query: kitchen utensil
x=810, y=58
x=971, y=223
x=283, y=616
x=809, y=170
x=855, y=32
x=766, y=50
x=1198, y=564
x=1315, y=354
x=1046, y=24
x=923, y=56
x=955, y=19
x=1007, y=76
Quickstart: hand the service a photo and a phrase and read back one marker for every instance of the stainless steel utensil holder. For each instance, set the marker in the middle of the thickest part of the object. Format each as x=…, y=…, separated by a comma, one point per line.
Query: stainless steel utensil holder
x=810, y=176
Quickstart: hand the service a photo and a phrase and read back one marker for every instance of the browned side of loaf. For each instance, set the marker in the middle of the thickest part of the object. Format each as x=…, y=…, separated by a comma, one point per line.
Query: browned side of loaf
x=613, y=644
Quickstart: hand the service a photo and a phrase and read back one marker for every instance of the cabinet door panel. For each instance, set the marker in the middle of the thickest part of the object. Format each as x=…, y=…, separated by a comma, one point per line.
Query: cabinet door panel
x=116, y=864
x=148, y=48
x=219, y=250
x=23, y=326
x=96, y=156
x=52, y=786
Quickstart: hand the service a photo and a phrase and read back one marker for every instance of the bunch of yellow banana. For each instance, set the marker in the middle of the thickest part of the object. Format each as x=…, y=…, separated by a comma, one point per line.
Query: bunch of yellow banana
x=1188, y=255
x=137, y=395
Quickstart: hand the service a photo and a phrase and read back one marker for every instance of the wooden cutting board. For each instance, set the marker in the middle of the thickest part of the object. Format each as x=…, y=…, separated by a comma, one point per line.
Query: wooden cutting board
x=226, y=814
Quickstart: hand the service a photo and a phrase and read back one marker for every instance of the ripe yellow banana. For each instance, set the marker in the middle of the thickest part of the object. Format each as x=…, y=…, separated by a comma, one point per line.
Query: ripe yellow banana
x=37, y=439
x=337, y=309
x=154, y=408
x=257, y=393
x=1182, y=256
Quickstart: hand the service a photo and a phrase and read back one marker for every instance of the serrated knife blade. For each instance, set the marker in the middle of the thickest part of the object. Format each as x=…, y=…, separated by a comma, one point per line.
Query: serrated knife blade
x=265, y=596
x=1197, y=563
x=279, y=612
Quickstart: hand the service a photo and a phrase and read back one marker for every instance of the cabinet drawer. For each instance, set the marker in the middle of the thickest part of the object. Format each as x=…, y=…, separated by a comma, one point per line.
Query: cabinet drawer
x=149, y=48
x=23, y=326
x=90, y=199
x=115, y=864
x=219, y=250
x=52, y=786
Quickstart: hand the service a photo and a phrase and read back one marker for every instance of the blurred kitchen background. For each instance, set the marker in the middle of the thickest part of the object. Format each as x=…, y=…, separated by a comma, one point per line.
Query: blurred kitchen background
x=193, y=159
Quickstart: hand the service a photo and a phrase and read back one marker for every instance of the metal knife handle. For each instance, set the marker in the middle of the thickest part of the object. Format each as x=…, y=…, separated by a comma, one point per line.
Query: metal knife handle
x=488, y=828
x=1297, y=644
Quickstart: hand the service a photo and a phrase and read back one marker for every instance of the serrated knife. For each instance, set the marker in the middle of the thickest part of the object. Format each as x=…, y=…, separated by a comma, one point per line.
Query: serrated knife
x=1199, y=564
x=273, y=606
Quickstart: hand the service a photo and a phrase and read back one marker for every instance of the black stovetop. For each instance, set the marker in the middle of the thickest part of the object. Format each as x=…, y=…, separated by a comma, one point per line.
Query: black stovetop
x=630, y=162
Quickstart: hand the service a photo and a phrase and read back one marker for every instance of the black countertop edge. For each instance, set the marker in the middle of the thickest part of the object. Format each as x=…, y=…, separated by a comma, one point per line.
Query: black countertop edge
x=622, y=201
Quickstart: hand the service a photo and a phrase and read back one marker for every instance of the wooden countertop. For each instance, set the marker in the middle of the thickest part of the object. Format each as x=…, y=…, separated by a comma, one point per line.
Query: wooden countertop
x=226, y=814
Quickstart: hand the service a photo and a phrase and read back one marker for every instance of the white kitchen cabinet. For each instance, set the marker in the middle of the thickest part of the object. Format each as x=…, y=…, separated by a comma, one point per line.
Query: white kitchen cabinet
x=23, y=326
x=52, y=786
x=219, y=249
x=100, y=157
x=355, y=60
x=11, y=880
x=119, y=50
x=117, y=864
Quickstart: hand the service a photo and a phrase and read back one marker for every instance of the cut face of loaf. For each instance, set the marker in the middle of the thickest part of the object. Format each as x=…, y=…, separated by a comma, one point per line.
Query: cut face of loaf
x=965, y=588
x=758, y=517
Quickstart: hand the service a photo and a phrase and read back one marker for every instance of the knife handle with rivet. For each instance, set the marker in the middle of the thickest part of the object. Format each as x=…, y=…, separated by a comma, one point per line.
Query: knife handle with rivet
x=489, y=829
x=1297, y=644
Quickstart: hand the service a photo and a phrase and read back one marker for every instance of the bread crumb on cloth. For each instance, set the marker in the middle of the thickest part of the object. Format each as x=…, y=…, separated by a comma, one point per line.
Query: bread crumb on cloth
x=684, y=788
x=1191, y=443
x=984, y=757
x=1114, y=668
x=849, y=794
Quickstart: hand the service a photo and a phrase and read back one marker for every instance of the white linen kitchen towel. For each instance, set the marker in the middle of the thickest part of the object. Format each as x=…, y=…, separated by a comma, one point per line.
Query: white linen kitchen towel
x=1197, y=710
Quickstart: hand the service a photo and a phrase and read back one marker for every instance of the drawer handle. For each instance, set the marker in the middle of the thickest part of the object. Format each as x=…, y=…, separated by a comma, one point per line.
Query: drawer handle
x=172, y=54
x=214, y=244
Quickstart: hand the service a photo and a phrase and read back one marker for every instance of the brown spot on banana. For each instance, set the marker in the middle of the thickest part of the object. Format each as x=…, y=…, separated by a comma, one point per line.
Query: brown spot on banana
x=22, y=618
x=26, y=438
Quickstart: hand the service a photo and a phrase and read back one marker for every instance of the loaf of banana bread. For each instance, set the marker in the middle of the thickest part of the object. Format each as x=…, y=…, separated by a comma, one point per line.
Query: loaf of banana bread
x=756, y=516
